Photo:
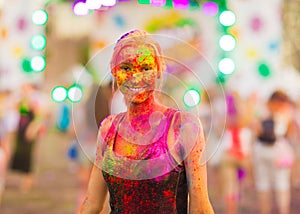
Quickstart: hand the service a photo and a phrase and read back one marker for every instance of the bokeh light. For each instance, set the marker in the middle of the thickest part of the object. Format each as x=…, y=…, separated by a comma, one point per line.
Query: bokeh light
x=93, y=4
x=22, y=24
x=38, y=42
x=252, y=53
x=158, y=3
x=227, y=42
x=59, y=94
x=191, y=98
x=26, y=66
x=38, y=63
x=80, y=8
x=227, y=18
x=18, y=51
x=264, y=69
x=144, y=1
x=210, y=8
x=75, y=93
x=226, y=66
x=181, y=4
x=39, y=17
x=108, y=3
x=194, y=5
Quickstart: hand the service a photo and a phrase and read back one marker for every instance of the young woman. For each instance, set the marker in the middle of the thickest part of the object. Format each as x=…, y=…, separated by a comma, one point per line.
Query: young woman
x=148, y=158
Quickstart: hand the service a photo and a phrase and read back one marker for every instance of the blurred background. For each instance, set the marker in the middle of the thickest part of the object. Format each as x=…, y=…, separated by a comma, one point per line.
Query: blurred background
x=224, y=59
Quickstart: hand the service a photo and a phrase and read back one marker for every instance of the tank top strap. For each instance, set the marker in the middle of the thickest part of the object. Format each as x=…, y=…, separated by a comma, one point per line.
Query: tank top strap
x=112, y=132
x=170, y=114
x=111, y=135
x=170, y=117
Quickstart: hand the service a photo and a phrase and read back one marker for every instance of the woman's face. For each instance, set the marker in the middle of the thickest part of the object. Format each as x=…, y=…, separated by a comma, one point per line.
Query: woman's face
x=136, y=72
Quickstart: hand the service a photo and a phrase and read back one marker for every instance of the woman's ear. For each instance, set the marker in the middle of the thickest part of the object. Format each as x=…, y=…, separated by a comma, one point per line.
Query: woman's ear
x=158, y=73
x=161, y=67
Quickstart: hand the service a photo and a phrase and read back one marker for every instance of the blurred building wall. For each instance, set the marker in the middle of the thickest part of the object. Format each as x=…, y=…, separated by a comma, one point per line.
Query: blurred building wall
x=16, y=31
x=258, y=30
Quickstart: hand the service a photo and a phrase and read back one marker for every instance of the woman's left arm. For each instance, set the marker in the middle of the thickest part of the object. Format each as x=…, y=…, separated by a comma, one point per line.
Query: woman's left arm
x=195, y=165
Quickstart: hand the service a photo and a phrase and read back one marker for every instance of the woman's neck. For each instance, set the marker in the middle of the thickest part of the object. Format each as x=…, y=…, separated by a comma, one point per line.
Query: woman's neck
x=141, y=110
x=138, y=115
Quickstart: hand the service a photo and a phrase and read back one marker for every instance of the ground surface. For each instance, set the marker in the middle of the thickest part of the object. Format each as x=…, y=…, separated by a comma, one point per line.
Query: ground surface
x=56, y=187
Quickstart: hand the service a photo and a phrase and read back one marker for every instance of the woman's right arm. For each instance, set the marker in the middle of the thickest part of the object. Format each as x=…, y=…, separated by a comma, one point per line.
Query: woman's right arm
x=97, y=188
x=96, y=195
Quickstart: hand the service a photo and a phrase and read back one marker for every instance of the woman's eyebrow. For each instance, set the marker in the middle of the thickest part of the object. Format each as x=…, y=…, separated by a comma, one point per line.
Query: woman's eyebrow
x=125, y=63
x=147, y=64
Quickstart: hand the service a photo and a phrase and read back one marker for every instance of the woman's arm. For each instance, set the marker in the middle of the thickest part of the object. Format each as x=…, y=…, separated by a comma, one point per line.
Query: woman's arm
x=96, y=195
x=97, y=188
x=195, y=163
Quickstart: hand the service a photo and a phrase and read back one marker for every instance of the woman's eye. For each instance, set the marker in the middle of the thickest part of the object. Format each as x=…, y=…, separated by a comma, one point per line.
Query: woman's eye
x=147, y=68
x=125, y=68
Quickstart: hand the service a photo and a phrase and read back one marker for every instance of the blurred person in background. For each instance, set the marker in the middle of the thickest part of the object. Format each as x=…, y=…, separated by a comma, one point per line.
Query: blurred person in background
x=293, y=135
x=4, y=142
x=236, y=146
x=143, y=157
x=87, y=116
x=9, y=118
x=31, y=126
x=273, y=155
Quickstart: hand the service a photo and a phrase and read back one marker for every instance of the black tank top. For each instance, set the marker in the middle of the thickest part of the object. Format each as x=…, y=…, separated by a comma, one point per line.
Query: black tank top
x=166, y=193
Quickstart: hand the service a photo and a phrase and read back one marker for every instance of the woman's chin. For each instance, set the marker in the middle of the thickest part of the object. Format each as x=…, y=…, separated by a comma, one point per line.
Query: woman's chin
x=138, y=99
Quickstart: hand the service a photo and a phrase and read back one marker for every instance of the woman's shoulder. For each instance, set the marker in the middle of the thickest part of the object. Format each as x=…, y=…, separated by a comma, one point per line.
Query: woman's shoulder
x=186, y=126
x=183, y=118
x=109, y=120
x=105, y=126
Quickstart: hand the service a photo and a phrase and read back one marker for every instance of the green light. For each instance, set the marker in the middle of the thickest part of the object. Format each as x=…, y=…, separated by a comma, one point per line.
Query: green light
x=38, y=42
x=38, y=63
x=39, y=17
x=221, y=79
x=75, y=93
x=194, y=5
x=169, y=4
x=59, y=94
x=26, y=65
x=191, y=98
x=264, y=70
x=144, y=1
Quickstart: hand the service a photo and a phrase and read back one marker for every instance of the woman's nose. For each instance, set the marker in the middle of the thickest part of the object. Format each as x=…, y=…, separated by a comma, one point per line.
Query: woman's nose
x=137, y=76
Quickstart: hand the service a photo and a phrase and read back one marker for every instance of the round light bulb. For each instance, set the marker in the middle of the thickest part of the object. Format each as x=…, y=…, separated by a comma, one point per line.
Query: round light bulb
x=191, y=98
x=226, y=66
x=59, y=94
x=227, y=42
x=227, y=18
x=39, y=17
x=75, y=94
x=38, y=63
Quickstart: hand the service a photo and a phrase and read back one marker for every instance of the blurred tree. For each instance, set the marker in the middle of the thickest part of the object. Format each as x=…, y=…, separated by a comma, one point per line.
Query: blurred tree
x=291, y=32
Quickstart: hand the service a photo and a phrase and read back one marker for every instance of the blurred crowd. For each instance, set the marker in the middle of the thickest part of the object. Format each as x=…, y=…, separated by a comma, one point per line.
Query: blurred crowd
x=258, y=151
x=257, y=147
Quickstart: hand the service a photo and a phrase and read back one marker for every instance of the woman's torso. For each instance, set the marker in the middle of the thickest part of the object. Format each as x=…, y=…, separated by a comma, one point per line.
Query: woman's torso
x=147, y=182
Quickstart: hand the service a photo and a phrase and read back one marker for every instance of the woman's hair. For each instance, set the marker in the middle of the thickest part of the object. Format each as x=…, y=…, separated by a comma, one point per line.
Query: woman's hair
x=279, y=96
x=137, y=37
